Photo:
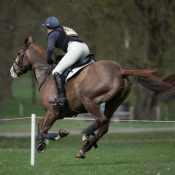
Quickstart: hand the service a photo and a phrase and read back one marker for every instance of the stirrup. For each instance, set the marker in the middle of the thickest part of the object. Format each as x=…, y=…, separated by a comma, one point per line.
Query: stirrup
x=59, y=101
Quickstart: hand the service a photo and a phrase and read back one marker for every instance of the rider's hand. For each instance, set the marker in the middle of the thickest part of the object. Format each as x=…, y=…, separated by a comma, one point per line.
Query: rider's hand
x=49, y=61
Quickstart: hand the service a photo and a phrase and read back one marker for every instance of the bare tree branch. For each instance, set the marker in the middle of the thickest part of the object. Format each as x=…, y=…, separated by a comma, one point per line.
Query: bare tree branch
x=14, y=27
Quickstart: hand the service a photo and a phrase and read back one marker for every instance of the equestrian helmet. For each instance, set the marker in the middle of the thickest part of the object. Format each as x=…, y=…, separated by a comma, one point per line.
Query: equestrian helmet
x=51, y=22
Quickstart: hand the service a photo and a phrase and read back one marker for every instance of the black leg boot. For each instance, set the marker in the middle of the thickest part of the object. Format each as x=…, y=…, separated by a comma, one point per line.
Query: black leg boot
x=61, y=100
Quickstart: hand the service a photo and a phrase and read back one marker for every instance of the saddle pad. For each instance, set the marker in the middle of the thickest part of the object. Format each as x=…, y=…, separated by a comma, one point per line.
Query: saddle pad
x=75, y=70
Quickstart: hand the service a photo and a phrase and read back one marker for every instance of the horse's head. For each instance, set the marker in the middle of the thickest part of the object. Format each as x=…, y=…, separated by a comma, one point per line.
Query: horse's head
x=23, y=60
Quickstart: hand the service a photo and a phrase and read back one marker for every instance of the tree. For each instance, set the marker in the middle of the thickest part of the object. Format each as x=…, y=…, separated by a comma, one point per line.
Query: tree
x=7, y=22
x=159, y=21
x=138, y=34
x=11, y=31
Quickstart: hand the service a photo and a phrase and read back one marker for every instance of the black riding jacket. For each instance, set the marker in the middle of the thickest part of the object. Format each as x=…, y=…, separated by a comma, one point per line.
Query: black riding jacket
x=58, y=38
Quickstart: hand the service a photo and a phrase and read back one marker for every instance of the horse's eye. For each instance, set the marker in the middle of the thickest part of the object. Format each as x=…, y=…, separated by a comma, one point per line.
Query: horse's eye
x=18, y=53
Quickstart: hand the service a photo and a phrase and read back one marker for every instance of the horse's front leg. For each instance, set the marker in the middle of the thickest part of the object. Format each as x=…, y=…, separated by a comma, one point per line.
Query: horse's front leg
x=44, y=125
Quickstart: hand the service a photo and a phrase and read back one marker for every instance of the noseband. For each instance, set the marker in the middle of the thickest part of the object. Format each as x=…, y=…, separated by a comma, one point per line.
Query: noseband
x=19, y=64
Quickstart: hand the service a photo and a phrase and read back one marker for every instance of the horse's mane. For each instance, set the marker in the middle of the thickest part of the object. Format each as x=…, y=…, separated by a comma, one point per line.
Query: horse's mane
x=39, y=49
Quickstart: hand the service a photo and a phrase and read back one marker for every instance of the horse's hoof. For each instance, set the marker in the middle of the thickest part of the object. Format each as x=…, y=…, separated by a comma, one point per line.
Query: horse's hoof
x=41, y=147
x=63, y=132
x=80, y=154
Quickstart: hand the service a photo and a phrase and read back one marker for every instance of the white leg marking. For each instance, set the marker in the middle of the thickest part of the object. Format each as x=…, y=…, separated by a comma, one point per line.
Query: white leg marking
x=85, y=137
x=58, y=137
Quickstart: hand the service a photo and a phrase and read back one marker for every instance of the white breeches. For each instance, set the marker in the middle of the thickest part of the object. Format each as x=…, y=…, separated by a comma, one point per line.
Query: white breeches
x=75, y=52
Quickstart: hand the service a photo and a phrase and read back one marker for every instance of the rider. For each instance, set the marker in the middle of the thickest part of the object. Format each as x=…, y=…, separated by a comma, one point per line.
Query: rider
x=67, y=40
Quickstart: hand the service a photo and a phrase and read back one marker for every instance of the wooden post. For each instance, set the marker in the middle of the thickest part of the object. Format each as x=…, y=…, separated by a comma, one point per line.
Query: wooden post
x=157, y=113
x=131, y=116
x=166, y=113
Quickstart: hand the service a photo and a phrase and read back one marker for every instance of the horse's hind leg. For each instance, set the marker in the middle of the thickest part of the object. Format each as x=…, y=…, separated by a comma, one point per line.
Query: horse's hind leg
x=110, y=108
x=100, y=120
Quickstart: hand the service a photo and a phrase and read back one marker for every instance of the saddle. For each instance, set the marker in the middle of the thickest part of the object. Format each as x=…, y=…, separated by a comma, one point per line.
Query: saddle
x=83, y=62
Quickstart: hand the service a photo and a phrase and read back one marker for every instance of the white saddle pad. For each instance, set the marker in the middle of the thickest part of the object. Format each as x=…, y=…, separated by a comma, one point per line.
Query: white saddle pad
x=74, y=71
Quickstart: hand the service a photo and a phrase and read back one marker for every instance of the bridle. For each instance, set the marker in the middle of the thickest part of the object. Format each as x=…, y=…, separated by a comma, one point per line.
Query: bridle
x=19, y=64
x=24, y=70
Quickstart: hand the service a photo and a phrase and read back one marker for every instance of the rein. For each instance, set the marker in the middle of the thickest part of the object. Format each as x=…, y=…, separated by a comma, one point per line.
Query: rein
x=48, y=73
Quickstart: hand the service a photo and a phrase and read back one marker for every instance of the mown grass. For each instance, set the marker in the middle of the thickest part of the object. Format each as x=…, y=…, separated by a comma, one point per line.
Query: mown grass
x=121, y=154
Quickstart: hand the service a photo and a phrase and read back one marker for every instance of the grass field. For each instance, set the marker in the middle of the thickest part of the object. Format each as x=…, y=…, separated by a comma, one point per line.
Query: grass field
x=123, y=154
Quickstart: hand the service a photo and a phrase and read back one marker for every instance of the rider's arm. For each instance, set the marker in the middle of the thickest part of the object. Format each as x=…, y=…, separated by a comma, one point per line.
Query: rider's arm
x=52, y=39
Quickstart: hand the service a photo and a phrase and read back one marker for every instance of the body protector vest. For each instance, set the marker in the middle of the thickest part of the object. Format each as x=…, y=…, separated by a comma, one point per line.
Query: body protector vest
x=66, y=35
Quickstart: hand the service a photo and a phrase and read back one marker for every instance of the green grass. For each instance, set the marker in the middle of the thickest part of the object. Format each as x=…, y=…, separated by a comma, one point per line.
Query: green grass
x=121, y=154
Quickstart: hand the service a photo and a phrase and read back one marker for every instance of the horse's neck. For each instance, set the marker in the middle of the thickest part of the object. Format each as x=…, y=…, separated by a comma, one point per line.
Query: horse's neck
x=40, y=65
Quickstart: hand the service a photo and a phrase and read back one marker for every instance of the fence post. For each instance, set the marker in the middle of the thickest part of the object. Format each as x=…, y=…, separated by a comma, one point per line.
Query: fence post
x=33, y=139
x=131, y=115
x=157, y=113
x=166, y=113
x=21, y=110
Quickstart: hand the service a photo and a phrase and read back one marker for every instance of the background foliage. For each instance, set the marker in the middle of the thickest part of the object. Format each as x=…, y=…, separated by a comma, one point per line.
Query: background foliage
x=138, y=34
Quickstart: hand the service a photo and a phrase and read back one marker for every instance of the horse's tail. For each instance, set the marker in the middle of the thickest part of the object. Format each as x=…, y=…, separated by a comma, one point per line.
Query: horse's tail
x=170, y=80
x=147, y=79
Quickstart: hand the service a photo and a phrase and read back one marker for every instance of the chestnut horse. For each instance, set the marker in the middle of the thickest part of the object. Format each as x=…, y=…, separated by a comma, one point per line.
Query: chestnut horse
x=102, y=81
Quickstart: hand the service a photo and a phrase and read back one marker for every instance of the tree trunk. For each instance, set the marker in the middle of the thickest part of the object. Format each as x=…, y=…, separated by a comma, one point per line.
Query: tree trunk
x=147, y=100
x=7, y=19
x=6, y=53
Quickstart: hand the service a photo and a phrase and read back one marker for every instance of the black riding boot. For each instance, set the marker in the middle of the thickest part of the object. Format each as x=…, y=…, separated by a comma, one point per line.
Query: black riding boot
x=61, y=100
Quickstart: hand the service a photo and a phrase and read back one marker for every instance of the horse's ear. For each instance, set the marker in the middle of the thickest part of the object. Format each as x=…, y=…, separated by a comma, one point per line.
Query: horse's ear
x=26, y=41
x=30, y=39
